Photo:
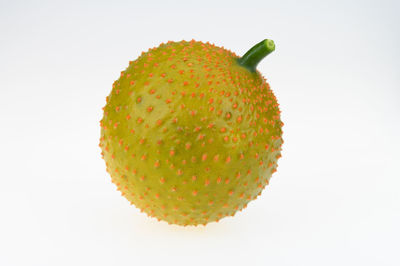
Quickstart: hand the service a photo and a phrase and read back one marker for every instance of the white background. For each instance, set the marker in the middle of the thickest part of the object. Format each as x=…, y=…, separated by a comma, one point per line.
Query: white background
x=334, y=200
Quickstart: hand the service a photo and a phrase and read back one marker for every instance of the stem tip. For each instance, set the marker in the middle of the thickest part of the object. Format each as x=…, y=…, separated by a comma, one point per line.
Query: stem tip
x=253, y=56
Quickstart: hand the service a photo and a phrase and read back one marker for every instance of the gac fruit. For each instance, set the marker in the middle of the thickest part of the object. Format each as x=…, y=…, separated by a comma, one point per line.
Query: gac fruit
x=191, y=132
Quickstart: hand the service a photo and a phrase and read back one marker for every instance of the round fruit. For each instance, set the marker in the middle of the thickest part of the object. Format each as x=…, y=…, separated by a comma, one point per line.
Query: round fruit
x=191, y=132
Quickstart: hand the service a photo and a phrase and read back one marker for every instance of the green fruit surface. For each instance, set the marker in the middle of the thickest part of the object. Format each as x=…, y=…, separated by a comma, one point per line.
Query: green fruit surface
x=188, y=135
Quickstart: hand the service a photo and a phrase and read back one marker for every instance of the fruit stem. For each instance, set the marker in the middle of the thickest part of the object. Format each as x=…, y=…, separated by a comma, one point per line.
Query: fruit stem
x=253, y=56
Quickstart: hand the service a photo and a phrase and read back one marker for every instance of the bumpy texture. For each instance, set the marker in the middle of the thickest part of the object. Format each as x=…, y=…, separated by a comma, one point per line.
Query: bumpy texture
x=188, y=135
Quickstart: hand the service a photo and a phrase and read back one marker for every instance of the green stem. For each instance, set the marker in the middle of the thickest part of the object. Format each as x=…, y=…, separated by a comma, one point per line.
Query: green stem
x=253, y=56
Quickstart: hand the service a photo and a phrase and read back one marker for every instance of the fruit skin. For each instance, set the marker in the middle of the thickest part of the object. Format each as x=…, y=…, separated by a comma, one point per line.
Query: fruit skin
x=188, y=135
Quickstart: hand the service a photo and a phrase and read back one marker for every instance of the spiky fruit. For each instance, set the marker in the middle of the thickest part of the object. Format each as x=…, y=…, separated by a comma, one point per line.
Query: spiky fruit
x=191, y=132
